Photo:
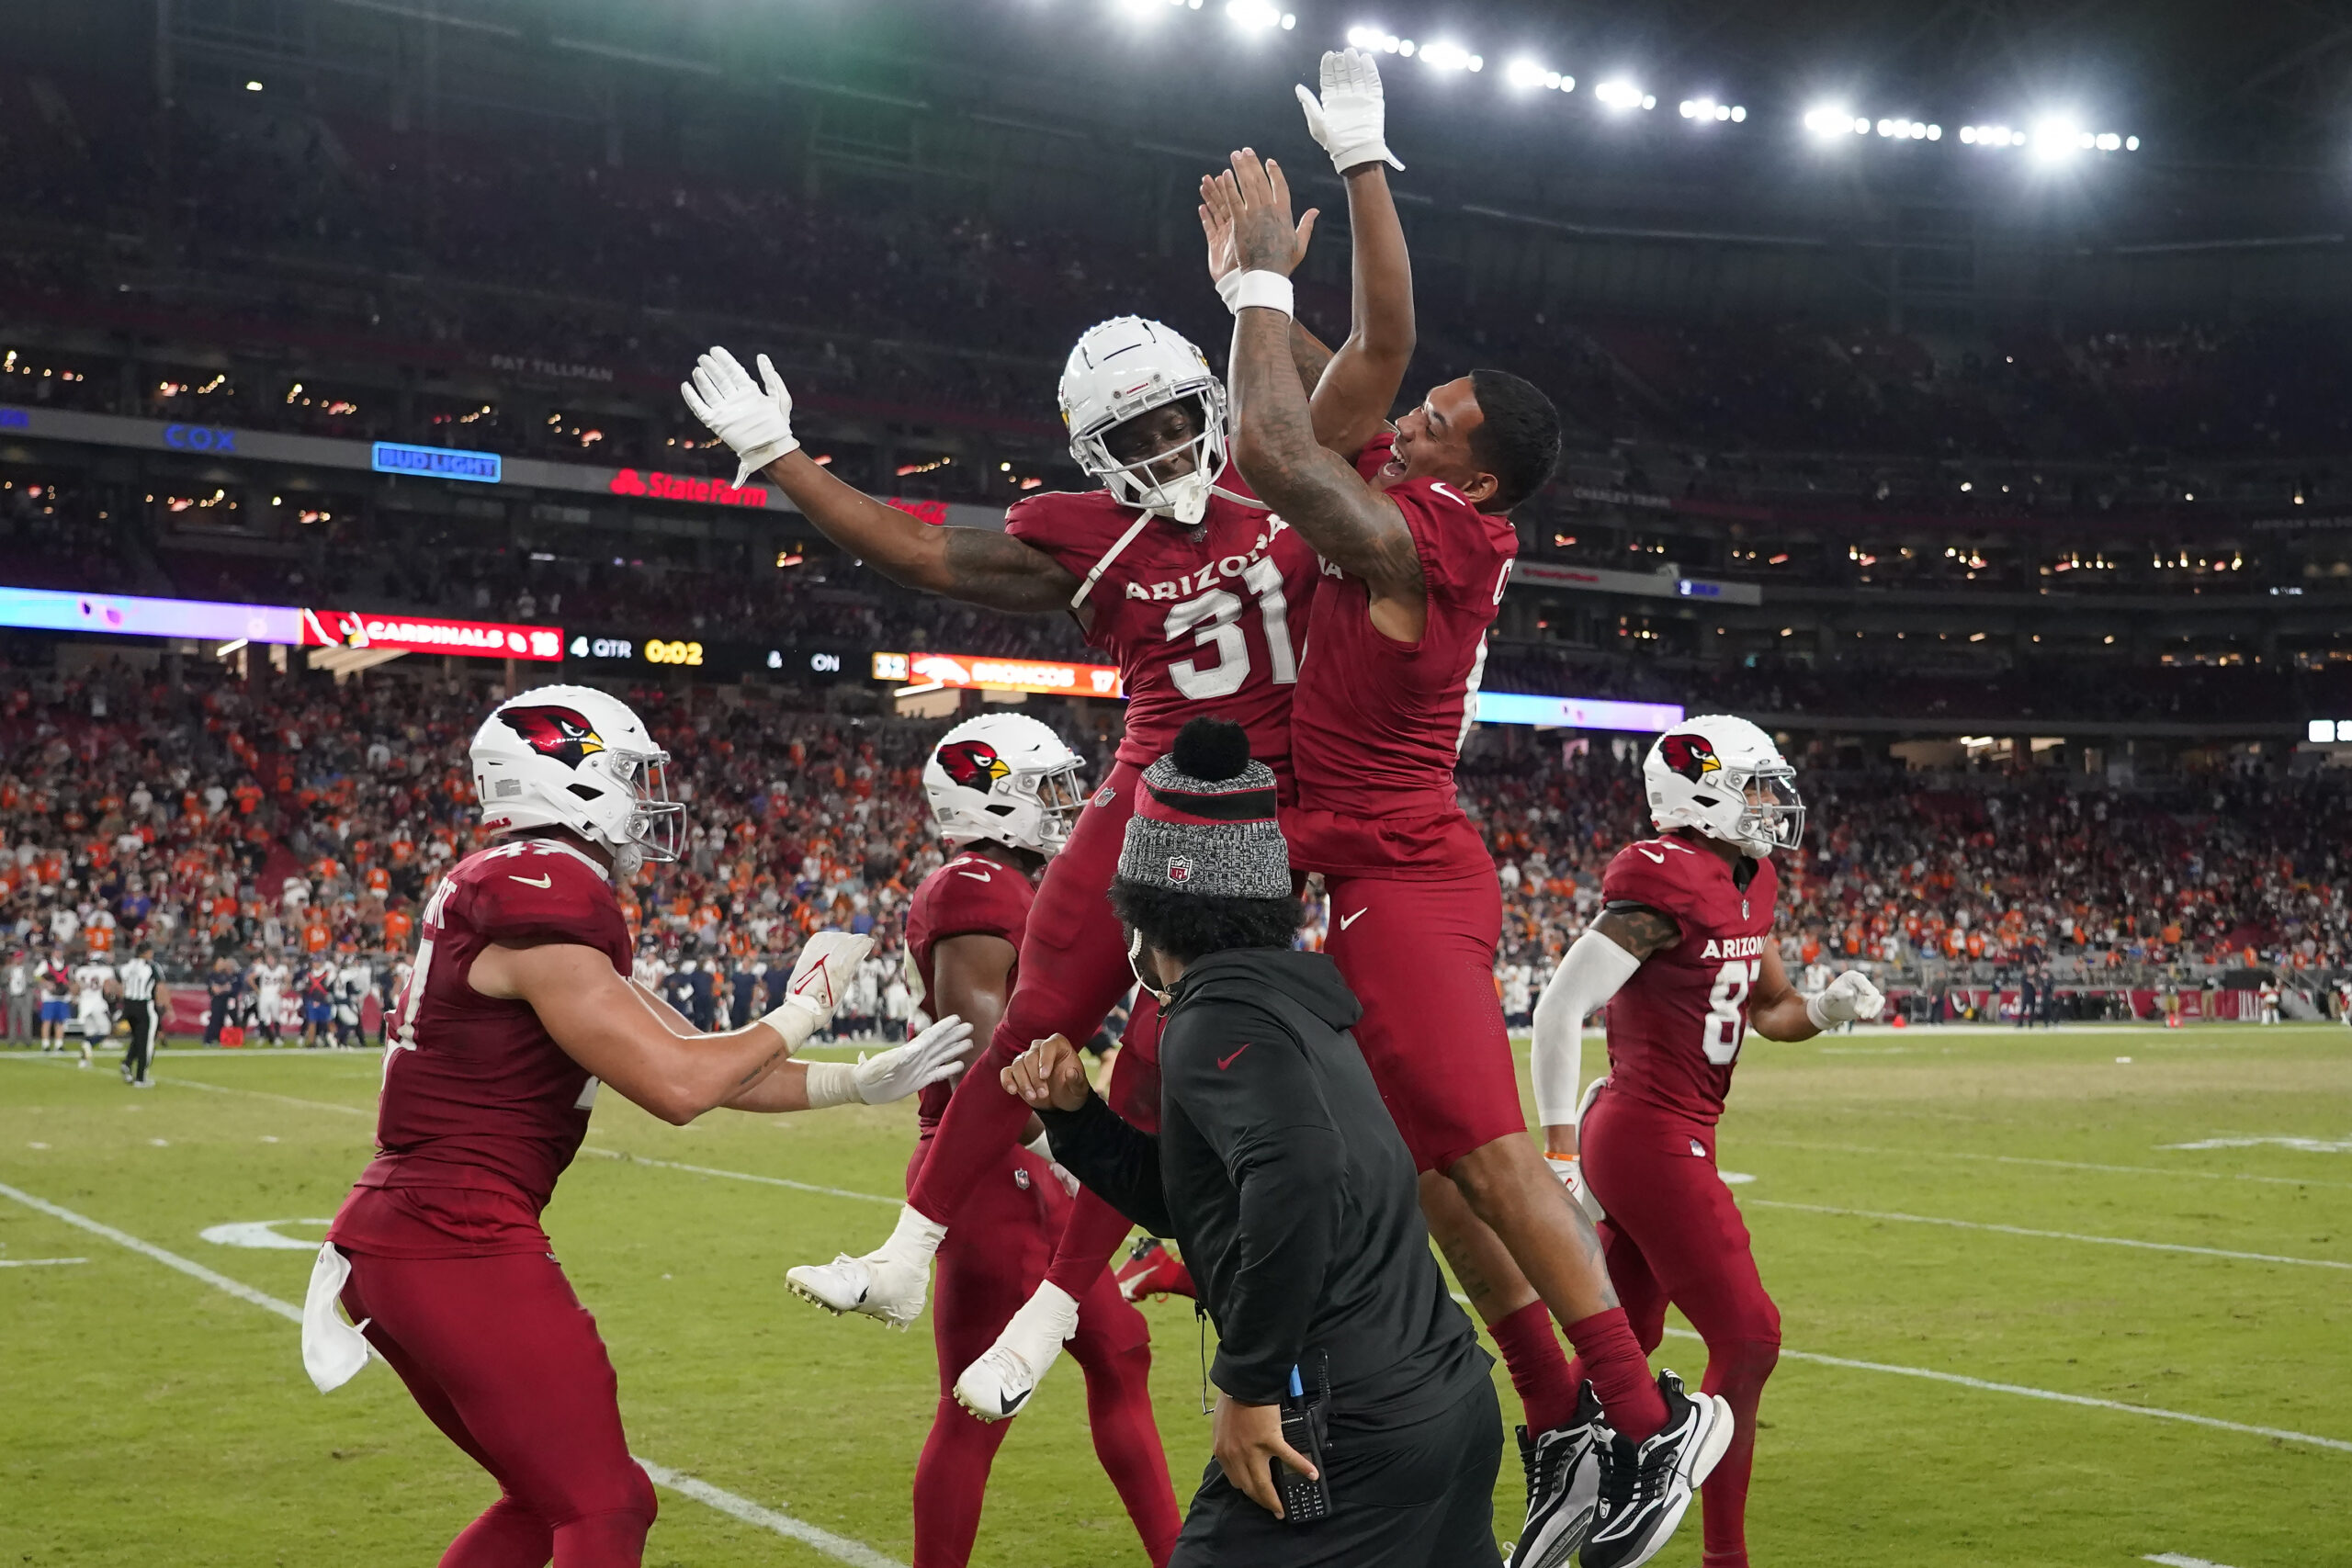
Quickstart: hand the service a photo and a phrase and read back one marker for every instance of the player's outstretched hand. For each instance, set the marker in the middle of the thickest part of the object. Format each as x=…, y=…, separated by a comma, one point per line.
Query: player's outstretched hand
x=756, y=422
x=1253, y=199
x=827, y=961
x=935, y=1054
x=1349, y=120
x=1050, y=1073
x=1850, y=998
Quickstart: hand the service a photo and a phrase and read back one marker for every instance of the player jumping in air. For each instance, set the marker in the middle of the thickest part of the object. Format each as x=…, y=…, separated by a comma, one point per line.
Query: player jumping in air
x=1003, y=792
x=517, y=1008
x=1199, y=595
x=1683, y=956
x=1415, y=534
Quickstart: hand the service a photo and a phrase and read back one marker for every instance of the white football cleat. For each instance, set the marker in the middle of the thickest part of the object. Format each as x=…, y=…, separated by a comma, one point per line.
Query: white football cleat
x=995, y=1387
x=890, y=1282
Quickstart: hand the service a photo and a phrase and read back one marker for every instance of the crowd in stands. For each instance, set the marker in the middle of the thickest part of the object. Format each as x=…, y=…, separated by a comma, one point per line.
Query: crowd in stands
x=1976, y=874
x=292, y=822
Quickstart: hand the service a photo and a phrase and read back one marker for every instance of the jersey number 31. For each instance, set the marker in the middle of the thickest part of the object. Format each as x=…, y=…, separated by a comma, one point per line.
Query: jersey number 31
x=1727, y=1025
x=1214, y=619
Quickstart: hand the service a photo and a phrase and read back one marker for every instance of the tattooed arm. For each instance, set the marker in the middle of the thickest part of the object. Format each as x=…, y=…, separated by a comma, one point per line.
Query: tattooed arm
x=1317, y=491
x=979, y=565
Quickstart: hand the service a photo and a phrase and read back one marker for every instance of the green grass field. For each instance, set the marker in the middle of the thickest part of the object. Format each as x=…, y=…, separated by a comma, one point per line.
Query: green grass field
x=154, y=1418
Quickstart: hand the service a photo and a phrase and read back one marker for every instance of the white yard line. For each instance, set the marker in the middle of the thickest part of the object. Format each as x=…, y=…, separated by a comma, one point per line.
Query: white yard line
x=2049, y=1163
x=39, y=1262
x=2046, y=1235
x=841, y=1548
x=368, y=1111
x=2301, y=1146
x=743, y=1176
x=2174, y=1560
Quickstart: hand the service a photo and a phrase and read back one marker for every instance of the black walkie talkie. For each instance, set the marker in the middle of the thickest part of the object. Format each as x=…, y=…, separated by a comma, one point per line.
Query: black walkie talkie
x=1305, y=1499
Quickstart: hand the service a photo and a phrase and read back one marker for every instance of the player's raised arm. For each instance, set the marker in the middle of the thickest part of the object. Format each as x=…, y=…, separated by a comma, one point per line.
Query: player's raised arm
x=1317, y=491
x=979, y=565
x=1781, y=1012
x=1352, y=398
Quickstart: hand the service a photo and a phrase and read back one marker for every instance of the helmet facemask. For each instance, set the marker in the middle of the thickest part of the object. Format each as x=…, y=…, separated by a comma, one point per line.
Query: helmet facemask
x=656, y=830
x=1771, y=812
x=1142, y=483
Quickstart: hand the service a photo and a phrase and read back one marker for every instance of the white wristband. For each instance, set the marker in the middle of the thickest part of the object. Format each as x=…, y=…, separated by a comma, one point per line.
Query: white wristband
x=831, y=1084
x=1260, y=289
x=1228, y=288
x=1812, y=1013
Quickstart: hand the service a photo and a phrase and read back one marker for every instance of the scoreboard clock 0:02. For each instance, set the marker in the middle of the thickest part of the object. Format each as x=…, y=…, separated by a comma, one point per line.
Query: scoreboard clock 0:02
x=658, y=651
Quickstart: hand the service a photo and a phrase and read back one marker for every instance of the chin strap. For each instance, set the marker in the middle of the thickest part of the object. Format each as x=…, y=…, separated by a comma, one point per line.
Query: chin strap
x=1250, y=501
x=1109, y=556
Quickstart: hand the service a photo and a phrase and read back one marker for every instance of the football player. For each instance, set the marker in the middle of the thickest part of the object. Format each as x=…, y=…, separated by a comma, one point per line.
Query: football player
x=518, y=1009
x=1414, y=529
x=1003, y=792
x=1684, y=956
x=1193, y=588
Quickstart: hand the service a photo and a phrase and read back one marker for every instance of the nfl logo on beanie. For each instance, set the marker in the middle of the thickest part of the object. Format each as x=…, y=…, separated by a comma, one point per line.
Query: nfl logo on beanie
x=1204, y=820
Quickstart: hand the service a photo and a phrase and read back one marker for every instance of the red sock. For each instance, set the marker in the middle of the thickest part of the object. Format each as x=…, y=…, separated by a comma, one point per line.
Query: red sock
x=1126, y=1440
x=1609, y=1354
x=1090, y=1238
x=950, y=1480
x=1736, y=1370
x=1539, y=1368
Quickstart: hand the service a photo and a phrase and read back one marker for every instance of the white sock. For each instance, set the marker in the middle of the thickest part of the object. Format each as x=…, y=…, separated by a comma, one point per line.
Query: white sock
x=916, y=1238
x=1051, y=1311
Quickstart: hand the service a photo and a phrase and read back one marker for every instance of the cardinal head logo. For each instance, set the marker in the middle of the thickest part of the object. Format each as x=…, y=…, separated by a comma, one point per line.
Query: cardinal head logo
x=1693, y=756
x=561, y=733
x=973, y=764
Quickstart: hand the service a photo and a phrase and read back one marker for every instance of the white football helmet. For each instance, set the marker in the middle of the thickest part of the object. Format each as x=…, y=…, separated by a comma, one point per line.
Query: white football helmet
x=572, y=757
x=1126, y=366
x=1007, y=777
x=1723, y=777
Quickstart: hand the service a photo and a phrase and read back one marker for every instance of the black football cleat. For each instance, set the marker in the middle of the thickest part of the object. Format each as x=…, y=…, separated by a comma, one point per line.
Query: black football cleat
x=1562, y=1487
x=1646, y=1490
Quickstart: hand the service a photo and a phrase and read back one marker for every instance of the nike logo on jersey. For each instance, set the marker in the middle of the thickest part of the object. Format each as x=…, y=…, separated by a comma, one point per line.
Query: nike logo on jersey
x=975, y=875
x=1347, y=921
x=1647, y=855
x=1225, y=1062
x=542, y=880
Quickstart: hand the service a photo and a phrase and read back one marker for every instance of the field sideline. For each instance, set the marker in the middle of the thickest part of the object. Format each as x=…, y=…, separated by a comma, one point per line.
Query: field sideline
x=2041, y=1305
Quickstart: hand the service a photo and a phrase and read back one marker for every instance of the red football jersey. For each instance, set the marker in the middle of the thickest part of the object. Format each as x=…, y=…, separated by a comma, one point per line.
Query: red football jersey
x=476, y=1094
x=970, y=895
x=1201, y=621
x=1676, y=1028
x=1377, y=724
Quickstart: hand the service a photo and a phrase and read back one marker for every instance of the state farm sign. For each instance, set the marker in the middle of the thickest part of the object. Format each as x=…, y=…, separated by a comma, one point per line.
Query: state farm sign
x=684, y=486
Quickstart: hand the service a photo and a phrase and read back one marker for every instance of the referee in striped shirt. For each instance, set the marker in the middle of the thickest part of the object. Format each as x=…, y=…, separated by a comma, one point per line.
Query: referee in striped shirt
x=143, y=1001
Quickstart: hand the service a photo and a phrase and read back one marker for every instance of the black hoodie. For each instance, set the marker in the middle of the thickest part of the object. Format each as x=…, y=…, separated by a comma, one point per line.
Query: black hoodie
x=1279, y=1172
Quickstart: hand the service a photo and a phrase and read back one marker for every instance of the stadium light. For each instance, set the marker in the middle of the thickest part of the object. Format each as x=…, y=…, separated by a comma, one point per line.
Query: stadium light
x=2057, y=139
x=1525, y=73
x=1620, y=94
x=1834, y=120
x=1259, y=17
x=1370, y=39
x=1706, y=111
x=1450, y=57
x=253, y=87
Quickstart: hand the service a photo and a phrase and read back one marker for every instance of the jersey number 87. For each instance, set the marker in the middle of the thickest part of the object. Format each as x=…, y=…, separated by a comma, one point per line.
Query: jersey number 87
x=1727, y=1025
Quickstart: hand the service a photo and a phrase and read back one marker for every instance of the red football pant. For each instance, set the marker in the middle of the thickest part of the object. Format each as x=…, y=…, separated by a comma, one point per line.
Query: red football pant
x=500, y=1356
x=988, y=1266
x=1073, y=970
x=1674, y=1236
x=1420, y=955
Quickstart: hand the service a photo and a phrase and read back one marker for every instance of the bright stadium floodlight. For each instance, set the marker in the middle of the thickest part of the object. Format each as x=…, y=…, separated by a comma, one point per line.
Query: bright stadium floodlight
x=1619, y=94
x=1450, y=57
x=1828, y=122
x=1258, y=17
x=1526, y=73
x=2055, y=139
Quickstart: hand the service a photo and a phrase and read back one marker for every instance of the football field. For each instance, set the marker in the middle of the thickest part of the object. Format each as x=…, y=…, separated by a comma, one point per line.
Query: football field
x=2070, y=1298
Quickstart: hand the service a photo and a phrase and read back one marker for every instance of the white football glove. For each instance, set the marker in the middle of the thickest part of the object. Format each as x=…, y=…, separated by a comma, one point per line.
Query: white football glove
x=1571, y=1175
x=827, y=962
x=930, y=1056
x=756, y=423
x=1349, y=120
x=1850, y=998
